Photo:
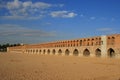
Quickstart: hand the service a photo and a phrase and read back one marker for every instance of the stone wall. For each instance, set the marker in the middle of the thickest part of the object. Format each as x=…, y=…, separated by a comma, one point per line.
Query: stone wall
x=100, y=46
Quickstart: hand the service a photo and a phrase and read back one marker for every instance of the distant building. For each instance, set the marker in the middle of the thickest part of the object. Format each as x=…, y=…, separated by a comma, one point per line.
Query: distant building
x=99, y=46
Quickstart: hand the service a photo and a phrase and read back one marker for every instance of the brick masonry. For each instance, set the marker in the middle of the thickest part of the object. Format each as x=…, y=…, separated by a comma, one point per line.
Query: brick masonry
x=99, y=46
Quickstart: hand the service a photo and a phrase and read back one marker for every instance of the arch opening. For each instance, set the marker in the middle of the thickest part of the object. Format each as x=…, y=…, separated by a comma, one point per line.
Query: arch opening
x=53, y=51
x=75, y=52
x=98, y=52
x=37, y=51
x=59, y=52
x=44, y=51
x=111, y=52
x=40, y=51
x=48, y=52
x=86, y=52
x=67, y=52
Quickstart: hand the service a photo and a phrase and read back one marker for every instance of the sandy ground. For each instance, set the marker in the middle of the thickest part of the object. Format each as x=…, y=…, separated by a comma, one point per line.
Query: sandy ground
x=51, y=67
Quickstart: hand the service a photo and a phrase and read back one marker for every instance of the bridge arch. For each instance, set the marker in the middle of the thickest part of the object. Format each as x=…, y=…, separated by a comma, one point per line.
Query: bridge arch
x=59, y=52
x=75, y=52
x=86, y=52
x=53, y=51
x=30, y=51
x=40, y=51
x=33, y=50
x=48, y=51
x=67, y=52
x=44, y=51
x=111, y=52
x=36, y=50
x=98, y=52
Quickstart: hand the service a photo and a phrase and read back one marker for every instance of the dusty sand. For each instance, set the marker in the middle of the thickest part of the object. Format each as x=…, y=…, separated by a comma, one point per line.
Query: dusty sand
x=51, y=67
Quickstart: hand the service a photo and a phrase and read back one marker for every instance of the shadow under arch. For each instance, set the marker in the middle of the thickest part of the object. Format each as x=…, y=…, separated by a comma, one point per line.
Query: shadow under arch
x=98, y=52
x=59, y=52
x=86, y=52
x=48, y=51
x=67, y=52
x=40, y=51
x=75, y=52
x=44, y=51
x=111, y=52
x=53, y=51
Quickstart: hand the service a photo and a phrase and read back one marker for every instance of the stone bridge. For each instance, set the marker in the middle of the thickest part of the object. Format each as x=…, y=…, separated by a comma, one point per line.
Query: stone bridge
x=100, y=46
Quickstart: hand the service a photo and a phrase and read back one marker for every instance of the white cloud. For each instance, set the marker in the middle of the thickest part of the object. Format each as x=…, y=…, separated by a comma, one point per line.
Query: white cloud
x=107, y=30
x=30, y=10
x=63, y=14
x=41, y=5
x=12, y=33
x=27, y=4
x=104, y=29
x=19, y=8
x=14, y=5
x=22, y=17
x=9, y=30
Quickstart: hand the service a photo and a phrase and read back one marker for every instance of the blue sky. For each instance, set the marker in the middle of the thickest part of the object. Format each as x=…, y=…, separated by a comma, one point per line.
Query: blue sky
x=36, y=21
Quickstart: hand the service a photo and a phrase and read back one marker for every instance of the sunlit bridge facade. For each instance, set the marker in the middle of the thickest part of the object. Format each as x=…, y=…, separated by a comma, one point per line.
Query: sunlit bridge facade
x=99, y=46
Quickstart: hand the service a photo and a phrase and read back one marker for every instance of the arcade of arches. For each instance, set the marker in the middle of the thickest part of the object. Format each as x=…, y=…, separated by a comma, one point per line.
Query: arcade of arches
x=86, y=52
